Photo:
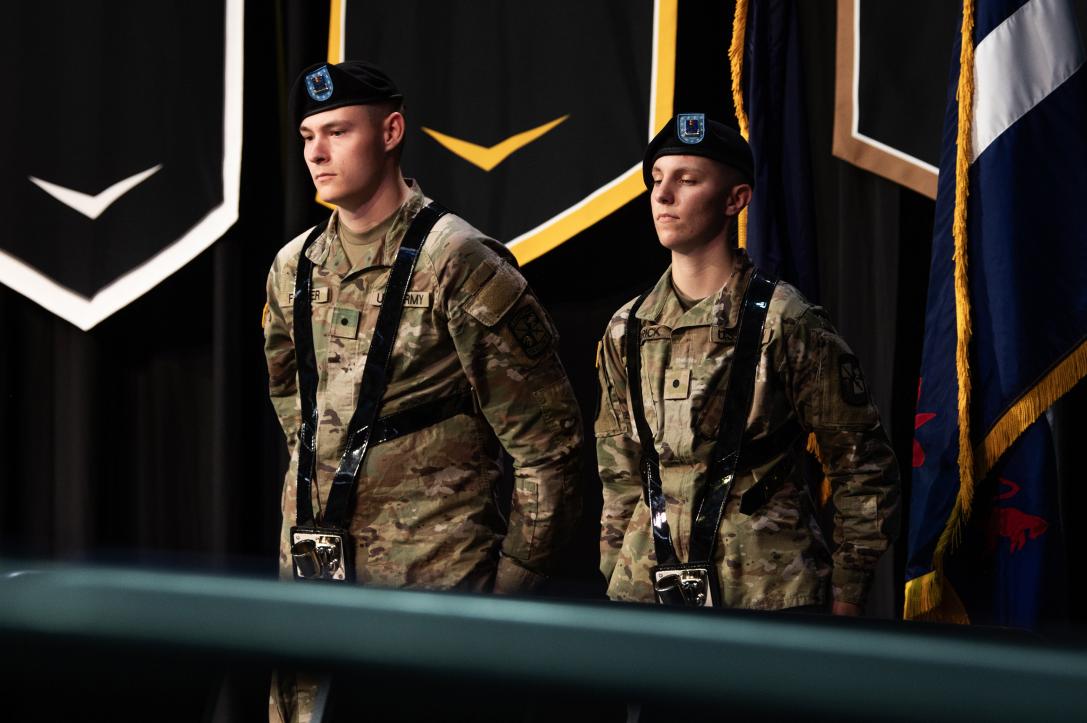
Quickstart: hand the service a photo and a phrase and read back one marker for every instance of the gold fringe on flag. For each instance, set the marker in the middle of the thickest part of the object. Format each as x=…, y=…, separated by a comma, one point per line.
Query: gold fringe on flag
x=960, y=513
x=736, y=61
x=1028, y=408
x=924, y=597
x=932, y=599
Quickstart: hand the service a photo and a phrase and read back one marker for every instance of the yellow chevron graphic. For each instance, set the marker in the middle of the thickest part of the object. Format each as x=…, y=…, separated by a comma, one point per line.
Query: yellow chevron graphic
x=488, y=158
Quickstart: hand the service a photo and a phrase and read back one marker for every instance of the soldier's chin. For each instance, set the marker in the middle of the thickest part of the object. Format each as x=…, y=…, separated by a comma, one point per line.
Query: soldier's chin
x=673, y=239
x=330, y=196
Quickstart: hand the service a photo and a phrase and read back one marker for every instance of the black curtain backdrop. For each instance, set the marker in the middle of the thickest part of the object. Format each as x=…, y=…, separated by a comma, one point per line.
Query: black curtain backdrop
x=150, y=439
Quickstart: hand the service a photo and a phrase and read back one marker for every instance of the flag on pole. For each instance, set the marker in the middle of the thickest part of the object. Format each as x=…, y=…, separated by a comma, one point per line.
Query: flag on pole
x=1006, y=320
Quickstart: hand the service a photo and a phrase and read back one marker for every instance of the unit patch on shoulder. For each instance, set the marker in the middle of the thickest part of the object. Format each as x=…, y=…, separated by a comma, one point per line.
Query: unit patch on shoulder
x=854, y=390
x=530, y=331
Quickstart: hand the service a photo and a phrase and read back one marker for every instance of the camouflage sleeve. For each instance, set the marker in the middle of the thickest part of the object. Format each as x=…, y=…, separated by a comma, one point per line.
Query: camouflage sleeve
x=279, y=355
x=617, y=452
x=832, y=401
x=507, y=347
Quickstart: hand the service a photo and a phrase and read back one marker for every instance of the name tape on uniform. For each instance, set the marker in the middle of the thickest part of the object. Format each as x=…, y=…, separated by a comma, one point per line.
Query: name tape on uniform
x=652, y=333
x=318, y=296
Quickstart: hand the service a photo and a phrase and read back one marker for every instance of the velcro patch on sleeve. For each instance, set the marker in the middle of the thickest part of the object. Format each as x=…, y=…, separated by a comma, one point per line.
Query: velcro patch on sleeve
x=497, y=296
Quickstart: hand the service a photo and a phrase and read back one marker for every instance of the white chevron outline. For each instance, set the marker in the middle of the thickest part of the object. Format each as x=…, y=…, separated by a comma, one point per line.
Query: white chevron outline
x=93, y=206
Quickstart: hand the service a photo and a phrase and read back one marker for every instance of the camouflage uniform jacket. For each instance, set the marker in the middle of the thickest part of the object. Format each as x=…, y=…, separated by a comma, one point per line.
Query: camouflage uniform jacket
x=425, y=514
x=774, y=557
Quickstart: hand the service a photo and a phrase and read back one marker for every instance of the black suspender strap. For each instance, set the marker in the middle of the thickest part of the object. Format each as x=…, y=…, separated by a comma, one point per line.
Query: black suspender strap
x=650, y=461
x=739, y=392
x=306, y=362
x=411, y=420
x=375, y=375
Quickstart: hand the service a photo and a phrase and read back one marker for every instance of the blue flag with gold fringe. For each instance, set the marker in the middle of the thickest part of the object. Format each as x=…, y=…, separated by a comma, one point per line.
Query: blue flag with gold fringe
x=1006, y=321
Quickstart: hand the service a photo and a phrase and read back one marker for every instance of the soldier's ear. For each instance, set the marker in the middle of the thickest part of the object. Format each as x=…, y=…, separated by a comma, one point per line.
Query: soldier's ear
x=737, y=199
x=393, y=130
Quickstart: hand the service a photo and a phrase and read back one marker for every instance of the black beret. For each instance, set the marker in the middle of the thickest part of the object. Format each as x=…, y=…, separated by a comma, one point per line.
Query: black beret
x=323, y=87
x=692, y=134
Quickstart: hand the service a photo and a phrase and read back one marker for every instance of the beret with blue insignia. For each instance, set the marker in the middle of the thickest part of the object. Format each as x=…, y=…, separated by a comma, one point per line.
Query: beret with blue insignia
x=692, y=134
x=325, y=86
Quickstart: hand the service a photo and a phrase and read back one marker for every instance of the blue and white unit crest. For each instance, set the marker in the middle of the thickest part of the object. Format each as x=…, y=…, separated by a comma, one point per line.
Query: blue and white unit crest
x=691, y=127
x=319, y=84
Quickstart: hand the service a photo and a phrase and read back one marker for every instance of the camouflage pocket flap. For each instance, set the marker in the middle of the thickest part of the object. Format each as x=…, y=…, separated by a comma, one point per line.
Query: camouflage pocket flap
x=497, y=296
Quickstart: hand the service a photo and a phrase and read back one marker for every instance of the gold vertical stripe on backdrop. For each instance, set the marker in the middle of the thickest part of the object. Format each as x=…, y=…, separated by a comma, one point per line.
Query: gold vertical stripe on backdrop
x=665, y=61
x=336, y=9
x=335, y=30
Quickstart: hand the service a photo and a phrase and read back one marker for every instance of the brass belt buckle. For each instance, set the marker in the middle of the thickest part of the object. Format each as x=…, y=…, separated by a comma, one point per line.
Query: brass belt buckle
x=688, y=585
x=320, y=553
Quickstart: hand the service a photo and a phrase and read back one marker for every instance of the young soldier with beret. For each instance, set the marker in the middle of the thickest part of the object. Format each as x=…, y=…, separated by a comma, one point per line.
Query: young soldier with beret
x=473, y=368
x=729, y=511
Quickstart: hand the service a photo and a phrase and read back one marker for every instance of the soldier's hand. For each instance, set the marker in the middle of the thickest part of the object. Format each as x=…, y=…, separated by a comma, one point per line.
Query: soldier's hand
x=512, y=579
x=845, y=608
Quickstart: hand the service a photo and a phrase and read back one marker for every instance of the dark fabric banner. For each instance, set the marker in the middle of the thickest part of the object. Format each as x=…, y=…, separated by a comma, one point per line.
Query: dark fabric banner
x=781, y=218
x=527, y=119
x=121, y=164
x=903, y=58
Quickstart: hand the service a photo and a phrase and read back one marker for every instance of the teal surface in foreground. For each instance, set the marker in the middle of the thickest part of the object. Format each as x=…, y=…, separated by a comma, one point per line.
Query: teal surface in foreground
x=774, y=663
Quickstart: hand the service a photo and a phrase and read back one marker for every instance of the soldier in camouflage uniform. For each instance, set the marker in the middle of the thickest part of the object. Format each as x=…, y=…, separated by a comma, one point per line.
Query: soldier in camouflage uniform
x=770, y=553
x=425, y=515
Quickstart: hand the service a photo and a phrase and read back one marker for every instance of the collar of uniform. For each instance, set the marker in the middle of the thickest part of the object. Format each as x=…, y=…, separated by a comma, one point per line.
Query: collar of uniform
x=327, y=251
x=411, y=208
x=729, y=300
x=662, y=307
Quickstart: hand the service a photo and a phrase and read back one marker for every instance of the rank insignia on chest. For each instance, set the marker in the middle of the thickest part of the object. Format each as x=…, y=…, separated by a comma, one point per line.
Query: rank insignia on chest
x=345, y=323
x=722, y=334
x=854, y=390
x=530, y=332
x=677, y=383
